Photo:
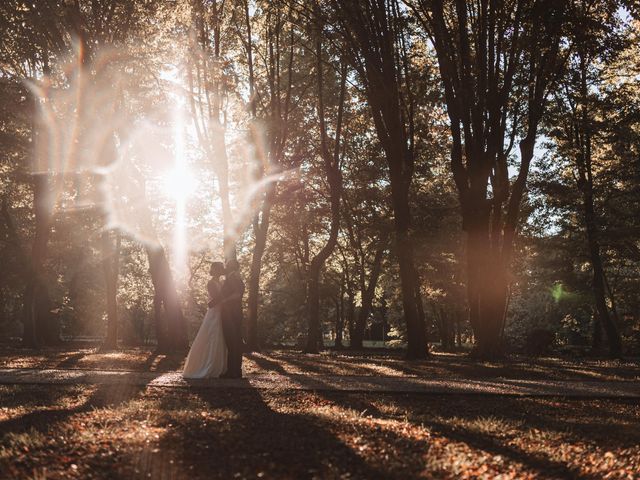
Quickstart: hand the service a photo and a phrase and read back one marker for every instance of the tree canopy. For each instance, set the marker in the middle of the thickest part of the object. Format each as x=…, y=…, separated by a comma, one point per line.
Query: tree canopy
x=390, y=173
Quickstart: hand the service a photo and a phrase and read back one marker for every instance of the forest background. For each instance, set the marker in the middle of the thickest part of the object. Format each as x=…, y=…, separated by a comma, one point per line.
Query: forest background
x=387, y=173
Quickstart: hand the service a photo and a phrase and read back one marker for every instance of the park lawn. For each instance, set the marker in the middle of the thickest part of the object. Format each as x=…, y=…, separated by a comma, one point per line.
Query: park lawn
x=102, y=431
x=439, y=365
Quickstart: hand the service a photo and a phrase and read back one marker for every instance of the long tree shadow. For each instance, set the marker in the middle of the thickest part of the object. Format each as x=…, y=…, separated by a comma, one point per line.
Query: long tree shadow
x=477, y=440
x=44, y=419
x=598, y=426
x=538, y=462
x=305, y=363
x=71, y=361
x=434, y=414
x=456, y=365
x=266, y=363
x=241, y=436
x=37, y=396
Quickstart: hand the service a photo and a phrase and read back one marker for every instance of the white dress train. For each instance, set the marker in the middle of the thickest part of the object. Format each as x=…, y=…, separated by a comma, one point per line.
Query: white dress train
x=208, y=354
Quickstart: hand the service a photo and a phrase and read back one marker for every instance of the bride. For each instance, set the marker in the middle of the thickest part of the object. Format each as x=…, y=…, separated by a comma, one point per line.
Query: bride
x=208, y=355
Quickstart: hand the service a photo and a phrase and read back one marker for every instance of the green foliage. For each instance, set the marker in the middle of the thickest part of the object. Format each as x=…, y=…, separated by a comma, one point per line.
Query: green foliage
x=137, y=58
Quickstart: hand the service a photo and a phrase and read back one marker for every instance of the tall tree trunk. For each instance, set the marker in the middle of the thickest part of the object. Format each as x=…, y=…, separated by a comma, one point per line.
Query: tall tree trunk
x=351, y=314
x=422, y=317
x=489, y=248
x=416, y=335
x=598, y=282
x=29, y=338
x=481, y=94
x=261, y=219
x=585, y=184
x=374, y=32
x=171, y=327
x=314, y=330
x=278, y=115
x=260, y=229
x=368, y=295
x=110, y=267
x=596, y=338
x=339, y=317
x=229, y=234
x=206, y=93
x=38, y=322
x=487, y=292
x=169, y=322
x=334, y=177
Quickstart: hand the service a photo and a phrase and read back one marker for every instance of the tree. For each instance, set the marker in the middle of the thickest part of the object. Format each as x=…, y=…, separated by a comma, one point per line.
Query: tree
x=32, y=61
x=498, y=62
x=367, y=295
x=209, y=84
x=110, y=266
x=331, y=162
x=577, y=109
x=375, y=35
x=273, y=95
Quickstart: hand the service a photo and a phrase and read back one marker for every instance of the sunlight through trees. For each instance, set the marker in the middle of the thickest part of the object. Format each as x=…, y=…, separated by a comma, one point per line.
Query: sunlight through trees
x=388, y=173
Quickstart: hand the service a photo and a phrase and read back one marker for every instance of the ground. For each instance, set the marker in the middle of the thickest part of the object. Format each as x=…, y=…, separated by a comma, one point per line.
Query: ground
x=144, y=431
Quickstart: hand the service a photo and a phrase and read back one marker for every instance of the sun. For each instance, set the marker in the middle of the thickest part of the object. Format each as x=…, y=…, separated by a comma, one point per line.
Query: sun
x=179, y=183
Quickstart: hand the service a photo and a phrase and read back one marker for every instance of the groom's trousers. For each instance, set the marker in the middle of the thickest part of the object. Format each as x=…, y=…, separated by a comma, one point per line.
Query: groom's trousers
x=232, y=329
x=232, y=290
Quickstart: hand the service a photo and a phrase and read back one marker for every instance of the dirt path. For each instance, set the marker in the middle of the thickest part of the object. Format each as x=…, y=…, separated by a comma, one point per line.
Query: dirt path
x=343, y=383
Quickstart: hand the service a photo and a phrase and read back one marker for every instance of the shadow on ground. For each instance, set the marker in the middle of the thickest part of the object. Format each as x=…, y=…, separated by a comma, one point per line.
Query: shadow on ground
x=118, y=431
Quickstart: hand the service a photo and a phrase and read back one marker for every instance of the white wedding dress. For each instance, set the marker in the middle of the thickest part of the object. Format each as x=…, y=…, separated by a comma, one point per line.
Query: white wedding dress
x=208, y=355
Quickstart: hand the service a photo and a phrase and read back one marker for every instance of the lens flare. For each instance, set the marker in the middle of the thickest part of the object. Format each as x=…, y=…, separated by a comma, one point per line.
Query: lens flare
x=558, y=292
x=135, y=163
x=179, y=183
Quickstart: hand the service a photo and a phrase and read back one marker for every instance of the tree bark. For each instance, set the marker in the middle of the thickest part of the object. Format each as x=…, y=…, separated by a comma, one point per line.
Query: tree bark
x=171, y=327
x=487, y=290
x=482, y=50
x=110, y=267
x=340, y=316
x=260, y=229
x=596, y=336
x=205, y=99
x=260, y=225
x=221, y=166
x=373, y=30
x=271, y=163
x=585, y=184
x=598, y=282
x=367, y=295
x=38, y=322
x=334, y=177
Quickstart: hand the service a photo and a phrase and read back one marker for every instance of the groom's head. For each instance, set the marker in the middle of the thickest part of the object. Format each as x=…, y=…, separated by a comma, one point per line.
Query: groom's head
x=216, y=269
x=232, y=266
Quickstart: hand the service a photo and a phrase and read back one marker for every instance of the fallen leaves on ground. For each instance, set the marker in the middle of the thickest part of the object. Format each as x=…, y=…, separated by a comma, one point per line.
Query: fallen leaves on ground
x=129, y=432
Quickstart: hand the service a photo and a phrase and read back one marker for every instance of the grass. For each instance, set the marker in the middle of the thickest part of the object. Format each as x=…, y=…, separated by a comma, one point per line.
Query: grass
x=440, y=365
x=126, y=432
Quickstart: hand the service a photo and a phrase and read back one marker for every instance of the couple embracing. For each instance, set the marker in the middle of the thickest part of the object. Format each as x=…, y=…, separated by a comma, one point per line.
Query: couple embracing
x=217, y=349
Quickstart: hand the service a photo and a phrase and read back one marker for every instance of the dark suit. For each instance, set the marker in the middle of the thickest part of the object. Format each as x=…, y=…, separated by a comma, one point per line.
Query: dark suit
x=232, y=291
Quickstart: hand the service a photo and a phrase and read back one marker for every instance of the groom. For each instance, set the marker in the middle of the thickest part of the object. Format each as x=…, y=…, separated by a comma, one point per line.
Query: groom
x=231, y=292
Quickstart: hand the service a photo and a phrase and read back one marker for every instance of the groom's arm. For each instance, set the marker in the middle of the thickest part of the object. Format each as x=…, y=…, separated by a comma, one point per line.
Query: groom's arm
x=233, y=290
x=215, y=297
